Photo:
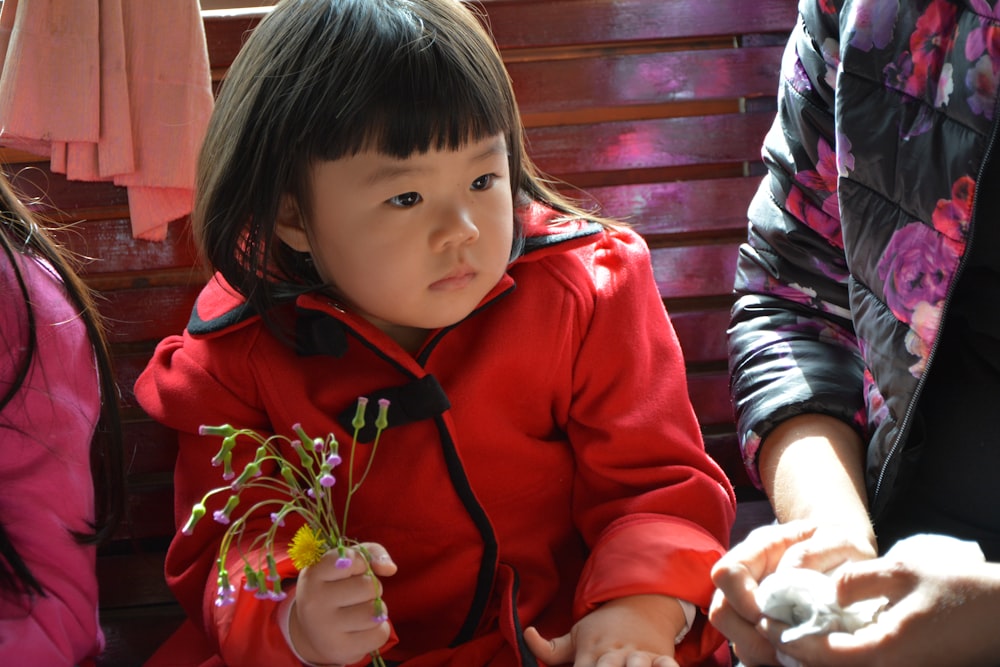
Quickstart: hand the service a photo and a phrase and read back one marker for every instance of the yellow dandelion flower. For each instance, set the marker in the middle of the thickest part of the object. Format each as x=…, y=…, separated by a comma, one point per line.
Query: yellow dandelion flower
x=306, y=548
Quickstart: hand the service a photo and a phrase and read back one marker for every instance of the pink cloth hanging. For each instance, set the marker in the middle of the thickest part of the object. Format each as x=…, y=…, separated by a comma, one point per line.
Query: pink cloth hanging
x=110, y=90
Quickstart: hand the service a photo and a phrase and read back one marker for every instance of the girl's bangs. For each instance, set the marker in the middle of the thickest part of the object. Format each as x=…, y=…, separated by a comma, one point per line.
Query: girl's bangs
x=429, y=94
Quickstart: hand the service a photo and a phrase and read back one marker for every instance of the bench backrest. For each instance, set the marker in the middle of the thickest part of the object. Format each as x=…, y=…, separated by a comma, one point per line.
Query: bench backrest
x=656, y=107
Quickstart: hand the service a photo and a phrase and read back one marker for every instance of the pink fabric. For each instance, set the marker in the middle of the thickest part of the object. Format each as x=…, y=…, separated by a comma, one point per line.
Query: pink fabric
x=115, y=90
x=46, y=489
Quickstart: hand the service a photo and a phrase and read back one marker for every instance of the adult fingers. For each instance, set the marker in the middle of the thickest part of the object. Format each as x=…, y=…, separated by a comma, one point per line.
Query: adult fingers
x=874, y=578
x=742, y=568
x=747, y=642
x=826, y=549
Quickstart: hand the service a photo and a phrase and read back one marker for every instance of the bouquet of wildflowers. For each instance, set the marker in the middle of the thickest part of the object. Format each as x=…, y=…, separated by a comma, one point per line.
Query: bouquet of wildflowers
x=302, y=488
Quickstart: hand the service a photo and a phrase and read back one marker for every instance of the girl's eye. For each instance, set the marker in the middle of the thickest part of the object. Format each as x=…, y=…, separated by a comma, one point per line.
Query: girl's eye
x=405, y=200
x=483, y=182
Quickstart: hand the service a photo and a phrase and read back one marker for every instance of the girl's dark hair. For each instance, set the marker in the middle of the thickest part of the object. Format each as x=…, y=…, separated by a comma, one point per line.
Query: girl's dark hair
x=21, y=234
x=319, y=80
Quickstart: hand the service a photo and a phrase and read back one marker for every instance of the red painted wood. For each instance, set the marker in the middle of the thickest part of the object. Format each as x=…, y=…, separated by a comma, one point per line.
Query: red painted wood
x=695, y=272
x=710, y=397
x=533, y=23
x=648, y=144
x=702, y=334
x=147, y=313
x=671, y=212
x=150, y=447
x=626, y=80
x=151, y=511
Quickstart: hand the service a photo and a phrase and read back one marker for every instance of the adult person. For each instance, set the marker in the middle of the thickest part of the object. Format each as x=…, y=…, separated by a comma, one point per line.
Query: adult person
x=863, y=345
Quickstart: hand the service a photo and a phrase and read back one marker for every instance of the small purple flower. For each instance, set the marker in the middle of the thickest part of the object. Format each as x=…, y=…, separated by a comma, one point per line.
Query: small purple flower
x=343, y=562
x=327, y=480
x=334, y=460
x=226, y=594
x=222, y=516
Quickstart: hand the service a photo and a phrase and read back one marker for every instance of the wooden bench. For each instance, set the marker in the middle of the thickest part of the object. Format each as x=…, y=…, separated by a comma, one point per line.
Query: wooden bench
x=656, y=107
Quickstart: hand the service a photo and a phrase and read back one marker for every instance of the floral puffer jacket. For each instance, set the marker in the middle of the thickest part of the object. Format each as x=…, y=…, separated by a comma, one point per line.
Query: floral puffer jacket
x=886, y=116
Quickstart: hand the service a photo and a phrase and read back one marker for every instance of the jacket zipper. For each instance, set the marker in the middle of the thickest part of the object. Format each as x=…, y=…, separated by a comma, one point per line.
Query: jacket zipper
x=904, y=425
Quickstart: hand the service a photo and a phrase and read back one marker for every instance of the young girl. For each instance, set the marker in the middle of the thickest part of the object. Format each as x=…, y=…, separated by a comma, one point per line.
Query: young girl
x=541, y=494
x=54, y=373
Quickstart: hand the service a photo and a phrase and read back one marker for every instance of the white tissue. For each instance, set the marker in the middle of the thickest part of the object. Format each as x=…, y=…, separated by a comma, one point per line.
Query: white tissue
x=807, y=600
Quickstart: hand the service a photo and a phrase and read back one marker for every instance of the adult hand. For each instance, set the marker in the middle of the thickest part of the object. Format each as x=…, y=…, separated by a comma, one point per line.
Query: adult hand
x=634, y=631
x=334, y=619
x=939, y=613
x=738, y=573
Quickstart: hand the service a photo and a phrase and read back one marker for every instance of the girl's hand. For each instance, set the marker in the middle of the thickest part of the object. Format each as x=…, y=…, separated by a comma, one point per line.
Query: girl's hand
x=634, y=631
x=737, y=574
x=334, y=618
x=940, y=613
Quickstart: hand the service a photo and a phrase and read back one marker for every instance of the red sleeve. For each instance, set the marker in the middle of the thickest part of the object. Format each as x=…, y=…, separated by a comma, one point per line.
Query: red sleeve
x=654, y=507
x=181, y=388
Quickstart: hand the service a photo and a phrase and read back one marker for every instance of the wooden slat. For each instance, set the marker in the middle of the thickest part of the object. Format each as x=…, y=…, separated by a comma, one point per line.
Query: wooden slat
x=599, y=83
x=151, y=511
x=722, y=447
x=132, y=579
x=128, y=366
x=682, y=210
x=710, y=397
x=519, y=24
x=111, y=249
x=695, y=272
x=148, y=313
x=702, y=334
x=151, y=448
x=533, y=23
x=225, y=33
x=133, y=634
x=57, y=198
x=571, y=151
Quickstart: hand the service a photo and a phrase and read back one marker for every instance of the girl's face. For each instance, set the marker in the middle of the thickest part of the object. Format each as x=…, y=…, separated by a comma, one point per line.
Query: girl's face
x=410, y=244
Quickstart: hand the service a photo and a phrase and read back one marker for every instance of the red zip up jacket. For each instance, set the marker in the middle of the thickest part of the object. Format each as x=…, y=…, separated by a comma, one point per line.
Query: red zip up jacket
x=542, y=455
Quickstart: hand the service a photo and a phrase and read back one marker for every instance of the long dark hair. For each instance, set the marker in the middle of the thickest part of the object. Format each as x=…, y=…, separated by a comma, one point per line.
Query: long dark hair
x=319, y=80
x=22, y=234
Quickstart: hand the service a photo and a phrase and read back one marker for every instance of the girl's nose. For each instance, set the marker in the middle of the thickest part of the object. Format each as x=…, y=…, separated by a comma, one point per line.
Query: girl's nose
x=455, y=227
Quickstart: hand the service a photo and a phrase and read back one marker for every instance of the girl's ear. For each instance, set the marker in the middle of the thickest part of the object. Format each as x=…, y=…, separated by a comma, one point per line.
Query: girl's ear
x=290, y=227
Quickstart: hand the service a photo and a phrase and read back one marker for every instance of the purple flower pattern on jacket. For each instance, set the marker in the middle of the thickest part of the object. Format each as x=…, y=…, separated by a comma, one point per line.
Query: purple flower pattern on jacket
x=876, y=409
x=822, y=181
x=983, y=48
x=930, y=46
x=918, y=265
x=873, y=23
